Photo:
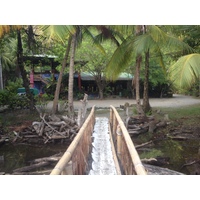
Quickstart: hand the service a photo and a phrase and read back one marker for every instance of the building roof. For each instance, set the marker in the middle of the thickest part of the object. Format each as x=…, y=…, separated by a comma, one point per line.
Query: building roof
x=87, y=76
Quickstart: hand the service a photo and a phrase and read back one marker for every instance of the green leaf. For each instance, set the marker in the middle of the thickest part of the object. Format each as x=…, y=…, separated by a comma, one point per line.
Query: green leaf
x=186, y=70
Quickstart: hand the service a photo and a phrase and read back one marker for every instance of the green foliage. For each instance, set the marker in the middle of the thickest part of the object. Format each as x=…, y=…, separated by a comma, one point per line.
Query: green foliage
x=13, y=100
x=10, y=98
x=107, y=91
x=151, y=154
x=186, y=71
x=12, y=86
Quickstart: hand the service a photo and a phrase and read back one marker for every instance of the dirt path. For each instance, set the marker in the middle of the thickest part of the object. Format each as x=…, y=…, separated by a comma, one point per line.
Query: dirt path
x=175, y=101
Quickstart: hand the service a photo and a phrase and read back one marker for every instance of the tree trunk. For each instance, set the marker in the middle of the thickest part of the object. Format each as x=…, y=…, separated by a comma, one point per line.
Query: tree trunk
x=100, y=94
x=101, y=84
x=23, y=71
x=31, y=39
x=58, y=85
x=71, y=77
x=146, y=105
x=137, y=75
x=137, y=85
x=1, y=76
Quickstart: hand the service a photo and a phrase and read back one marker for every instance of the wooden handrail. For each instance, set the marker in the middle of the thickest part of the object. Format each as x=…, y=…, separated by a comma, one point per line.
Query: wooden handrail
x=78, y=150
x=128, y=157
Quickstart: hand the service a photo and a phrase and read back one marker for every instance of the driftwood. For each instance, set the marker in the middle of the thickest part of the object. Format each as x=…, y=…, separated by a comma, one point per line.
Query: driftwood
x=41, y=172
x=52, y=127
x=143, y=144
x=190, y=163
x=46, y=130
x=38, y=163
x=53, y=158
x=178, y=137
x=142, y=124
x=31, y=167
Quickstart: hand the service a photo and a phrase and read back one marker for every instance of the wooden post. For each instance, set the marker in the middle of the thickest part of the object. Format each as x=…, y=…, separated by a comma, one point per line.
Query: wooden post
x=111, y=120
x=68, y=169
x=79, y=120
x=119, y=141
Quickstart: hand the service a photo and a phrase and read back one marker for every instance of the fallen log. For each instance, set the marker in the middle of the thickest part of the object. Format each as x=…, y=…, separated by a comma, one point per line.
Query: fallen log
x=177, y=137
x=43, y=172
x=143, y=144
x=190, y=163
x=155, y=170
x=31, y=167
x=52, y=158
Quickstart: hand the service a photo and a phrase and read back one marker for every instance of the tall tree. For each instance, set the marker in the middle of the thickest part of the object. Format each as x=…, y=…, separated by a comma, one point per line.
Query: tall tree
x=138, y=31
x=154, y=40
x=7, y=29
x=71, y=77
x=20, y=64
x=60, y=33
x=58, y=85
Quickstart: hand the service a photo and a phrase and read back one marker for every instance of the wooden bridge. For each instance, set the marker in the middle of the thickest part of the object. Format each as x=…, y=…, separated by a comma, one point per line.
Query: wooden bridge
x=111, y=151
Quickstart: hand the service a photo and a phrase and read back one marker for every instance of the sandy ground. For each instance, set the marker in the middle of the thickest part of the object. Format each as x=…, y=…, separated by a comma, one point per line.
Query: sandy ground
x=175, y=101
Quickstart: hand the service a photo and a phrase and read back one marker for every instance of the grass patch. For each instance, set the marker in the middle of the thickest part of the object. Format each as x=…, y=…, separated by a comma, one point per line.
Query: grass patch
x=151, y=154
x=189, y=115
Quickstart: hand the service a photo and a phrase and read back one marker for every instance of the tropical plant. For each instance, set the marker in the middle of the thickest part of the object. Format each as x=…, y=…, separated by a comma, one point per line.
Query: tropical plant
x=5, y=29
x=153, y=42
x=186, y=71
x=60, y=34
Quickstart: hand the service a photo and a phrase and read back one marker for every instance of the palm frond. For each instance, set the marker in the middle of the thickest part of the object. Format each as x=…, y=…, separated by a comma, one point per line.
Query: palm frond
x=120, y=59
x=60, y=32
x=186, y=70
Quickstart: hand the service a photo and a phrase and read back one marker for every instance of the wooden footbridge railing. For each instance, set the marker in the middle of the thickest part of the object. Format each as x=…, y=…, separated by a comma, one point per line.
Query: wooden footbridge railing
x=128, y=157
x=74, y=160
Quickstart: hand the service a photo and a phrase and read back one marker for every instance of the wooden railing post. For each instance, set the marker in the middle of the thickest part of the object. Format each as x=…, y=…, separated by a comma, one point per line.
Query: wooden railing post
x=119, y=141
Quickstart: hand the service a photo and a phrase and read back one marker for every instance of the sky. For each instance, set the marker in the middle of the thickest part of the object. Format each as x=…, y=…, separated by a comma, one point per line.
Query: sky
x=104, y=12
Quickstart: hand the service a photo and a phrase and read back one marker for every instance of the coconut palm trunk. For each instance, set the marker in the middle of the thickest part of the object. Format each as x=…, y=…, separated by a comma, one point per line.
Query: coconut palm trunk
x=71, y=77
x=146, y=105
x=23, y=71
x=57, y=92
x=139, y=29
x=137, y=83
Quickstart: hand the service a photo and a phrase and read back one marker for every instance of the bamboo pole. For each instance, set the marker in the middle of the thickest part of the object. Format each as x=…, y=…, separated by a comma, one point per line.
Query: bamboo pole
x=119, y=141
x=69, y=152
x=139, y=168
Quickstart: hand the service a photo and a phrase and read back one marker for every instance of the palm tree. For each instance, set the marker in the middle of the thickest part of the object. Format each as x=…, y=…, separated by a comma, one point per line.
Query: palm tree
x=58, y=85
x=147, y=40
x=185, y=72
x=71, y=77
x=61, y=34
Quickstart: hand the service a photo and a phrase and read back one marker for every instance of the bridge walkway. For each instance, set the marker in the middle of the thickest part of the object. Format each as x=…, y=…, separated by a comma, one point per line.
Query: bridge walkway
x=102, y=160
